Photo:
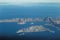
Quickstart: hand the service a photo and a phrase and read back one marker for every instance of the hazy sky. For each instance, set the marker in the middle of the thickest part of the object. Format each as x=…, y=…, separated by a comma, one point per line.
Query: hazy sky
x=28, y=1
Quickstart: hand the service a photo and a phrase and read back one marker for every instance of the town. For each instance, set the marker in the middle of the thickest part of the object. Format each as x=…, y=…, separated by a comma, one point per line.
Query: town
x=24, y=20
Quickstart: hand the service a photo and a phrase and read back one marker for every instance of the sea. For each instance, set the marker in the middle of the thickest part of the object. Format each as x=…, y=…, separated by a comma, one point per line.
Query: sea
x=8, y=30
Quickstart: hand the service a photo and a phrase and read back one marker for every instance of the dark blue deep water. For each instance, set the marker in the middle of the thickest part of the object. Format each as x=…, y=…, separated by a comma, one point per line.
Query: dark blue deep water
x=42, y=10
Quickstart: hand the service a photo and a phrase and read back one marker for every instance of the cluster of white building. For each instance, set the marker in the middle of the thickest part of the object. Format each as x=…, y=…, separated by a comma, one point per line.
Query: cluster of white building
x=24, y=20
x=21, y=20
x=37, y=28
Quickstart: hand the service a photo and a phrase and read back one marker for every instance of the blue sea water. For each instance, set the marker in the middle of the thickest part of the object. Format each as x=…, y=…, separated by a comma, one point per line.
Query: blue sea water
x=10, y=29
x=12, y=11
x=42, y=10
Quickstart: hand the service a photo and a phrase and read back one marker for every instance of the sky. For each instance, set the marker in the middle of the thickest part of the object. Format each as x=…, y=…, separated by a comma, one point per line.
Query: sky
x=28, y=1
